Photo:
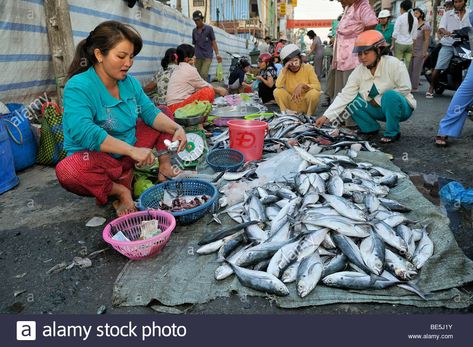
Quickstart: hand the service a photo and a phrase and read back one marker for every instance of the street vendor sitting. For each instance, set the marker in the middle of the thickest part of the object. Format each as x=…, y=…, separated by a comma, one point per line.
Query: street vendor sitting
x=297, y=86
x=236, y=80
x=109, y=122
x=186, y=85
x=379, y=89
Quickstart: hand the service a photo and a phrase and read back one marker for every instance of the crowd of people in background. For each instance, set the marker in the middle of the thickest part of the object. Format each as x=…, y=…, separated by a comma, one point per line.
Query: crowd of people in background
x=372, y=66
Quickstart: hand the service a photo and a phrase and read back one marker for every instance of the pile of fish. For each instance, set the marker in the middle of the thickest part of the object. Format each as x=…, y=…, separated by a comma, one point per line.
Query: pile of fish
x=333, y=224
x=288, y=130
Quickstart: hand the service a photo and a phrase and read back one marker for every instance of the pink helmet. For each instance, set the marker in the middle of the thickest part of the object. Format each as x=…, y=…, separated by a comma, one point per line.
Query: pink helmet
x=265, y=57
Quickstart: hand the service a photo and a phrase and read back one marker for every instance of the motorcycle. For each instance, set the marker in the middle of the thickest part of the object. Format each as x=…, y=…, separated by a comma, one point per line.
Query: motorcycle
x=452, y=77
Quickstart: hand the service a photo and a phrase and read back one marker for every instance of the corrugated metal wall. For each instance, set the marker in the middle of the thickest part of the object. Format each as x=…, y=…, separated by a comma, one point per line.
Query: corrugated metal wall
x=25, y=58
x=230, y=9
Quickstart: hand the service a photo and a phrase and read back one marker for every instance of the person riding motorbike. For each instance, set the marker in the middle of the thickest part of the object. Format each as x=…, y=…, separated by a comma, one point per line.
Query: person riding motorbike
x=455, y=19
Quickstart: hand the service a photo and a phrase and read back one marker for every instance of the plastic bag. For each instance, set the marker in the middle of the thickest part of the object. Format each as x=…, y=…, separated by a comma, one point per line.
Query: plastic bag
x=219, y=73
x=455, y=194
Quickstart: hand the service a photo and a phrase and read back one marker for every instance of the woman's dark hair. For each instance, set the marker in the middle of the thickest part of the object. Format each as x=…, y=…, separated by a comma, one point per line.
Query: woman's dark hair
x=422, y=14
x=104, y=37
x=184, y=51
x=243, y=63
x=311, y=34
x=406, y=5
x=169, y=57
x=384, y=50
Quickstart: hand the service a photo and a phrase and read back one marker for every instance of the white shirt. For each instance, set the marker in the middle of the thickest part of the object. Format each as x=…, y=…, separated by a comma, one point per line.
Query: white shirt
x=184, y=81
x=451, y=21
x=263, y=47
x=401, y=30
x=391, y=74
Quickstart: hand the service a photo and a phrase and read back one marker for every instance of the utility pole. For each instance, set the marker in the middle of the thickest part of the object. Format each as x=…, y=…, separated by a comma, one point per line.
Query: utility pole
x=61, y=44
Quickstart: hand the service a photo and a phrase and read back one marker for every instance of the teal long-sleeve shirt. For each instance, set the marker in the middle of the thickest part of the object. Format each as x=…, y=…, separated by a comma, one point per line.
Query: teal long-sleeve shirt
x=91, y=112
x=388, y=33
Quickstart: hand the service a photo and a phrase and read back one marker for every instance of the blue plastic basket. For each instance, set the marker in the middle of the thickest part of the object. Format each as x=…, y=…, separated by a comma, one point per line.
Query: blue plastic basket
x=226, y=159
x=152, y=196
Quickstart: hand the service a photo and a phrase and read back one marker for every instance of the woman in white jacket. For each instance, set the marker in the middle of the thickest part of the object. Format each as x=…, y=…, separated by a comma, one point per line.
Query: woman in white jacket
x=377, y=90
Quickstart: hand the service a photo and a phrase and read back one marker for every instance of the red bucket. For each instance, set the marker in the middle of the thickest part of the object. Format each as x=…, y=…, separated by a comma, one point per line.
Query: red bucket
x=247, y=136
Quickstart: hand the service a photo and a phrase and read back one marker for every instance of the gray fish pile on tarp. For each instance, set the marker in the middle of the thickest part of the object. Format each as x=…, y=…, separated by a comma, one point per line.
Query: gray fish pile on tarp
x=180, y=276
x=333, y=217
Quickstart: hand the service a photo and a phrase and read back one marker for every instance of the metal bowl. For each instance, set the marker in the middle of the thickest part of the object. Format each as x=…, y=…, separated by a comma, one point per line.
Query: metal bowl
x=190, y=121
x=234, y=111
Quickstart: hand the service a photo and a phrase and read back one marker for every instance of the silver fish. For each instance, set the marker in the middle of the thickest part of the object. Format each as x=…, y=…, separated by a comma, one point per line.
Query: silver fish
x=372, y=252
x=398, y=266
x=349, y=280
x=225, y=270
x=389, y=236
x=328, y=243
x=310, y=199
x=290, y=274
x=255, y=254
x=335, y=264
x=255, y=233
x=351, y=250
x=335, y=186
x=211, y=247
x=393, y=205
x=255, y=209
x=406, y=234
x=425, y=249
x=353, y=187
x=308, y=274
x=282, y=217
x=341, y=224
x=303, y=184
x=361, y=174
x=272, y=211
x=260, y=280
x=372, y=202
x=235, y=176
x=284, y=257
x=345, y=207
x=307, y=156
x=387, y=172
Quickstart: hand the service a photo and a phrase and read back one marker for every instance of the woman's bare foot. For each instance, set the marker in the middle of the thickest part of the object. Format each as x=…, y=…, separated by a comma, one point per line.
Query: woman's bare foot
x=125, y=204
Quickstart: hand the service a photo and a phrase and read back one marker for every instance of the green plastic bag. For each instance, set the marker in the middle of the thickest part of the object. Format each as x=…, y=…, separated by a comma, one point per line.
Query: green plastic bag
x=51, y=146
x=219, y=73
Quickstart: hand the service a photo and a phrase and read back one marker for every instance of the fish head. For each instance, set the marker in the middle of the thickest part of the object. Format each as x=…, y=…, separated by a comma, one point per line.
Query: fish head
x=282, y=289
x=301, y=288
x=378, y=266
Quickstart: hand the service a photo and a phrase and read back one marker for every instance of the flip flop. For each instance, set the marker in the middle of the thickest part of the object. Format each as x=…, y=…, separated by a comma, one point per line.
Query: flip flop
x=389, y=139
x=429, y=95
x=441, y=141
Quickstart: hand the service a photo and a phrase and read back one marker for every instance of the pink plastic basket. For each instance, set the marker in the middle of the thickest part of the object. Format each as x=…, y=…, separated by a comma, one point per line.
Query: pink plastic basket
x=130, y=226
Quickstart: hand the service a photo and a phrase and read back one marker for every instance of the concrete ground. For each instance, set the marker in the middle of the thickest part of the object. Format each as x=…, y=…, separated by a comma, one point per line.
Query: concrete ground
x=43, y=225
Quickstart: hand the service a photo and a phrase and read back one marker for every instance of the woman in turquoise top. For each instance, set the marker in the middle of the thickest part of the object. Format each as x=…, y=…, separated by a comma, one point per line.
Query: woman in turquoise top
x=109, y=123
x=385, y=26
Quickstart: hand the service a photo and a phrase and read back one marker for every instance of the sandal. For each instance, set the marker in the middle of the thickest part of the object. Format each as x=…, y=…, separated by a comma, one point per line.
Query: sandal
x=389, y=139
x=429, y=95
x=441, y=141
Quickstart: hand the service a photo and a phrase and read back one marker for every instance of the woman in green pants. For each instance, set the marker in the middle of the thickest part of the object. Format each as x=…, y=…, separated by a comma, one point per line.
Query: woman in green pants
x=405, y=33
x=379, y=89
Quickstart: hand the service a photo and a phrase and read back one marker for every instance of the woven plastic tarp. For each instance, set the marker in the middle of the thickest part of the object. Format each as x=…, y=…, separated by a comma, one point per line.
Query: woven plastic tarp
x=180, y=276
